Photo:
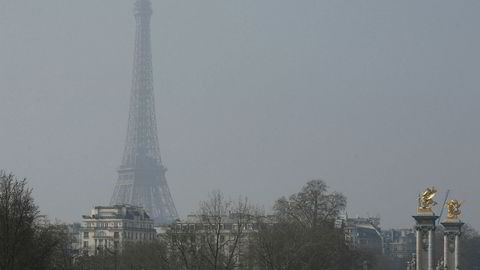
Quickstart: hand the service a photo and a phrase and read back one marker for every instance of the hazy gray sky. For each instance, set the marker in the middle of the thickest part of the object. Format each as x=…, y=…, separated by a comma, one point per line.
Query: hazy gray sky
x=256, y=97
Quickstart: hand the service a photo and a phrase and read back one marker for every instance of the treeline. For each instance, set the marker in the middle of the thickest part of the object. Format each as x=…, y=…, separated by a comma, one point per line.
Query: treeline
x=226, y=235
x=27, y=241
x=299, y=235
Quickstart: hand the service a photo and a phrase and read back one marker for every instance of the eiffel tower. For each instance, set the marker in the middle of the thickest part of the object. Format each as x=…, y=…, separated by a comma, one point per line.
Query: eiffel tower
x=141, y=176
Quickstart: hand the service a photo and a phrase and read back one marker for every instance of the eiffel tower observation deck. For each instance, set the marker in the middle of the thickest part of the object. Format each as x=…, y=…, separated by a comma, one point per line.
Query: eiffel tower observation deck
x=141, y=176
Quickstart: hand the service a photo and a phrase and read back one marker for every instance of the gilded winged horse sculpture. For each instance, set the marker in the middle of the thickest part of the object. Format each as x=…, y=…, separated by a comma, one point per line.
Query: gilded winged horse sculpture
x=426, y=201
x=453, y=207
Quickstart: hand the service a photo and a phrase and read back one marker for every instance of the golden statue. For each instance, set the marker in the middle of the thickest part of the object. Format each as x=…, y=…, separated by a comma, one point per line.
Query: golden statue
x=453, y=207
x=425, y=201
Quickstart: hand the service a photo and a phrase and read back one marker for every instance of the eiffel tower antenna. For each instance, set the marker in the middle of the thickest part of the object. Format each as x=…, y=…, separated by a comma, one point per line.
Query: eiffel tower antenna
x=141, y=176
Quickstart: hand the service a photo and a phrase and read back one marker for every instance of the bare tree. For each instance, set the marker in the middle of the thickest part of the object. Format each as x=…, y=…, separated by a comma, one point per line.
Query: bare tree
x=184, y=247
x=313, y=206
x=302, y=233
x=218, y=238
x=27, y=240
x=58, y=242
x=18, y=215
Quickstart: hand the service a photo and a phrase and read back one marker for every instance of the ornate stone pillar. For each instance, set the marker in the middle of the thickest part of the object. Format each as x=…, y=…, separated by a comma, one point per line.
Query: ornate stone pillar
x=419, y=247
x=457, y=250
x=452, y=232
x=425, y=228
x=445, y=249
x=431, y=249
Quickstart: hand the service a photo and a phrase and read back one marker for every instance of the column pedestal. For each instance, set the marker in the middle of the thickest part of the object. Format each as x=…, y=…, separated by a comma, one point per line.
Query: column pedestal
x=451, y=247
x=425, y=229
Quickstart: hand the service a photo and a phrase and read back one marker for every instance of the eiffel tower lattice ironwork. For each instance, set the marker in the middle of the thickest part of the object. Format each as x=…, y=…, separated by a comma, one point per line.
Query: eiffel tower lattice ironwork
x=141, y=176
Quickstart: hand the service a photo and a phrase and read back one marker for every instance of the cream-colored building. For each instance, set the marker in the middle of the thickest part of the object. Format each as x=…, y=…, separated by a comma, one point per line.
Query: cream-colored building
x=229, y=235
x=108, y=228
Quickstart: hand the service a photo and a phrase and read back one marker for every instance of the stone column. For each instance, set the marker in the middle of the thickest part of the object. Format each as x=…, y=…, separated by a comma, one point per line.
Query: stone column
x=452, y=232
x=425, y=227
x=431, y=249
x=419, y=247
x=445, y=249
x=457, y=250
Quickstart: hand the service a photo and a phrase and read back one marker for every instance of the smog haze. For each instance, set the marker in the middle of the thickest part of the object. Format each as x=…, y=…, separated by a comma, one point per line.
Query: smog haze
x=378, y=98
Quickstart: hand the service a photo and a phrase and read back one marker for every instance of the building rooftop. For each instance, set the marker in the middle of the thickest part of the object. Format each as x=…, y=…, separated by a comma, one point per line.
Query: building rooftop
x=118, y=212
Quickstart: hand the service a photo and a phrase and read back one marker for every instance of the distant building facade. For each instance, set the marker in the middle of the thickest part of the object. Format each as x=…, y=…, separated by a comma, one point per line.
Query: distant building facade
x=228, y=226
x=365, y=234
x=73, y=233
x=362, y=233
x=233, y=232
x=400, y=243
x=110, y=227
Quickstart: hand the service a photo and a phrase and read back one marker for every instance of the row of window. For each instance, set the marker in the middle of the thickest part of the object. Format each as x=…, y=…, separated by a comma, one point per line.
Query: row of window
x=228, y=226
x=86, y=235
x=127, y=235
x=138, y=236
x=100, y=243
x=203, y=238
x=119, y=225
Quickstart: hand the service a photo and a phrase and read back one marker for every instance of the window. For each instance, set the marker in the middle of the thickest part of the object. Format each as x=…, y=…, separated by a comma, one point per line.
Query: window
x=116, y=235
x=85, y=234
x=85, y=244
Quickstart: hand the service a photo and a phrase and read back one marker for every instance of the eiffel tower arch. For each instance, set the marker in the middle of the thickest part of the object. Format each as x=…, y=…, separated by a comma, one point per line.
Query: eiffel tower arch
x=141, y=176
